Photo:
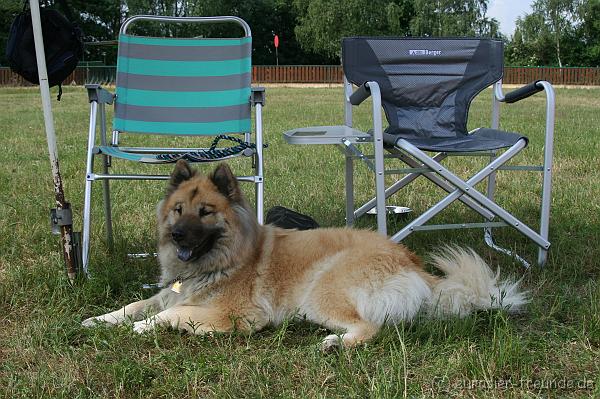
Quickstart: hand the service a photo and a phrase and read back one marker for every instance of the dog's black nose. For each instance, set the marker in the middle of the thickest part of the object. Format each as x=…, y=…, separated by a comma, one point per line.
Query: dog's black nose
x=177, y=234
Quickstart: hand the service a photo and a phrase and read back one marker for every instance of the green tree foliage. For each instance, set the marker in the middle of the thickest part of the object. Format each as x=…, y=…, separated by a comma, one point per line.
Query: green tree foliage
x=557, y=33
x=589, y=32
x=8, y=9
x=559, y=18
x=322, y=23
x=452, y=18
x=532, y=42
x=267, y=18
x=100, y=21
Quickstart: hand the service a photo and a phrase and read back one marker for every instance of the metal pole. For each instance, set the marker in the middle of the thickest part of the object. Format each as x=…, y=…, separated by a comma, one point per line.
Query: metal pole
x=66, y=231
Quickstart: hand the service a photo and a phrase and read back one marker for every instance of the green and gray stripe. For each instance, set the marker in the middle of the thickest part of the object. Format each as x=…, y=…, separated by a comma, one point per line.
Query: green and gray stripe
x=188, y=53
x=183, y=42
x=151, y=98
x=169, y=114
x=183, y=83
x=183, y=68
x=183, y=128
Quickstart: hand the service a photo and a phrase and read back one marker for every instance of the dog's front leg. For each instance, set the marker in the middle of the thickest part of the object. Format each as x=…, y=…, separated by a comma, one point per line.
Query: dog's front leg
x=194, y=319
x=134, y=311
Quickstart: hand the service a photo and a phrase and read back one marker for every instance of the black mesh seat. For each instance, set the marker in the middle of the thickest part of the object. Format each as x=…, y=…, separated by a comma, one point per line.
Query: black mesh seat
x=482, y=139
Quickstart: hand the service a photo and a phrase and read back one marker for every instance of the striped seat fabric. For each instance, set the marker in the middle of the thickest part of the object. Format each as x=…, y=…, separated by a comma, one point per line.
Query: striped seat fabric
x=183, y=86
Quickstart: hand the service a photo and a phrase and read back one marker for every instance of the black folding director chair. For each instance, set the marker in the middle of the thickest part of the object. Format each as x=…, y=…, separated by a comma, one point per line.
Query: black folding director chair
x=425, y=86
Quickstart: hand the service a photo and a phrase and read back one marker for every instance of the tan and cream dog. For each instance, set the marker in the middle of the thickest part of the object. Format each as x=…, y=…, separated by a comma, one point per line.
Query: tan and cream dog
x=222, y=271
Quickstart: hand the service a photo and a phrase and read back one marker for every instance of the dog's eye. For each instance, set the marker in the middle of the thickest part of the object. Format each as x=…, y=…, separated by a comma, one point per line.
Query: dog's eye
x=177, y=209
x=204, y=212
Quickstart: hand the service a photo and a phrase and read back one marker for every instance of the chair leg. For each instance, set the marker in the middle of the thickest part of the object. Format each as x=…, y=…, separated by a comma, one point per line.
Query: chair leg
x=379, y=162
x=259, y=186
x=349, y=184
x=108, y=214
x=85, y=241
x=545, y=209
x=105, y=183
x=259, y=179
x=547, y=180
x=89, y=179
x=488, y=235
x=398, y=185
x=466, y=188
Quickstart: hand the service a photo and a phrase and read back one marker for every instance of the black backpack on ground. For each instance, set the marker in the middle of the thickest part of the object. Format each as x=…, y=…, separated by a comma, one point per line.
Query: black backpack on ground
x=63, y=45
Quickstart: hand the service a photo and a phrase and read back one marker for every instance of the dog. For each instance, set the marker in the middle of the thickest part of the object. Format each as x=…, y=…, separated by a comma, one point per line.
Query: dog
x=222, y=271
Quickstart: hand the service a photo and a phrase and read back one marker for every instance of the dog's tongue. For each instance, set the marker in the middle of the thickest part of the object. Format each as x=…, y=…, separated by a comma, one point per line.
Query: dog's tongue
x=184, y=254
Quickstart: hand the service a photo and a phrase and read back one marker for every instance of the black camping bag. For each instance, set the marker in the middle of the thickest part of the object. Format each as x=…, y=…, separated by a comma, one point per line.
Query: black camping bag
x=288, y=219
x=63, y=45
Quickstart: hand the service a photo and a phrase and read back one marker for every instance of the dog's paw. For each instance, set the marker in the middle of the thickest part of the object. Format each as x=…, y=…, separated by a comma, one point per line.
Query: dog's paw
x=98, y=320
x=108, y=319
x=143, y=326
x=90, y=322
x=331, y=343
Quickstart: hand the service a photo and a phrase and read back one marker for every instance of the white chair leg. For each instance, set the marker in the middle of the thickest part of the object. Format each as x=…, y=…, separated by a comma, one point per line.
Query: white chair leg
x=108, y=214
x=259, y=185
x=105, y=183
x=89, y=178
x=85, y=240
x=349, y=185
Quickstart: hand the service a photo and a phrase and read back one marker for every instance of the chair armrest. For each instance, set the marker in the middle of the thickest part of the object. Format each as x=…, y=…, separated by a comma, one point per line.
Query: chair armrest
x=258, y=96
x=98, y=94
x=360, y=95
x=523, y=92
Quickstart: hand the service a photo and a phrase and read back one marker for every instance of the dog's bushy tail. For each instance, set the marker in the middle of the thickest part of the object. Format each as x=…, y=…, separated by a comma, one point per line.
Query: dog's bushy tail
x=470, y=285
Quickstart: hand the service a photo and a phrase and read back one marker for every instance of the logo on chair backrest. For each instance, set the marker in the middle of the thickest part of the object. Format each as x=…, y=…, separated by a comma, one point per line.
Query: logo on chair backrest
x=425, y=52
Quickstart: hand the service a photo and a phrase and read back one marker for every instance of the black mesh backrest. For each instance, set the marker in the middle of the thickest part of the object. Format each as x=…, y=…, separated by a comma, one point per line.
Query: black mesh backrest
x=427, y=84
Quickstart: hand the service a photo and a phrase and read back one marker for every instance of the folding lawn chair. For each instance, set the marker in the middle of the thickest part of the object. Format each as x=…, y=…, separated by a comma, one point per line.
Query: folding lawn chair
x=176, y=87
x=426, y=86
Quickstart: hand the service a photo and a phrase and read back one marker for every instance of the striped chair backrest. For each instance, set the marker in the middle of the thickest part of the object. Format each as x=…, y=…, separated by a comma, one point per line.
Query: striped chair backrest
x=183, y=86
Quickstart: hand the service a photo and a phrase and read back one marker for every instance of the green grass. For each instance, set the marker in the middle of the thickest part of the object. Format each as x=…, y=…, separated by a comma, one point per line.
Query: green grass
x=551, y=350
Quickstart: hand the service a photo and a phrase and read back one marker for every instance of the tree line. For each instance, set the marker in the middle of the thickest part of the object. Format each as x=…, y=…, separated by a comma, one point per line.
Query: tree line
x=557, y=32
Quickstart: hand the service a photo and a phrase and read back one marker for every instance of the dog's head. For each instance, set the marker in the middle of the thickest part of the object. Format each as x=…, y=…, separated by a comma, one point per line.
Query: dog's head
x=204, y=218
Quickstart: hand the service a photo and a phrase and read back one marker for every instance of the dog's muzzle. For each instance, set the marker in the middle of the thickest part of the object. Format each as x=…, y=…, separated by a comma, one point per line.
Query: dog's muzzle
x=193, y=242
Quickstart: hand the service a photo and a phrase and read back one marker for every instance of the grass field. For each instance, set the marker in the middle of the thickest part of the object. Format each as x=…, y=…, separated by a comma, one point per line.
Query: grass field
x=552, y=350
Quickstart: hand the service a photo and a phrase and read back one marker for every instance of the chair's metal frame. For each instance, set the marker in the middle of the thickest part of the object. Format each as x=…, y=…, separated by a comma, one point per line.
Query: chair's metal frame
x=99, y=98
x=421, y=164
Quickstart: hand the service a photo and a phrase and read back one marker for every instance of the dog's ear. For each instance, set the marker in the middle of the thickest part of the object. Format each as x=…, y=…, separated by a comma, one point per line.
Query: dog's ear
x=226, y=182
x=181, y=173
